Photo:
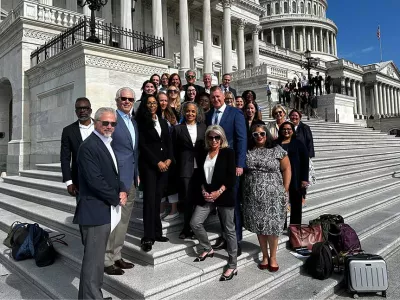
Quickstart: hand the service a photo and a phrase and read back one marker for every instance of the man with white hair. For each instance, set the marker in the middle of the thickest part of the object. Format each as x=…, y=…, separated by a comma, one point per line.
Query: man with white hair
x=99, y=189
x=125, y=145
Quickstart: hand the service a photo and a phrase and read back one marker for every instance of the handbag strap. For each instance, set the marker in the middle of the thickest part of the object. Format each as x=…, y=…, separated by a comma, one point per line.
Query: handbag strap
x=59, y=239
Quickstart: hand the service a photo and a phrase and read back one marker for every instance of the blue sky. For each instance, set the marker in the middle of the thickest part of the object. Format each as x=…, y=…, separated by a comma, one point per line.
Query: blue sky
x=358, y=22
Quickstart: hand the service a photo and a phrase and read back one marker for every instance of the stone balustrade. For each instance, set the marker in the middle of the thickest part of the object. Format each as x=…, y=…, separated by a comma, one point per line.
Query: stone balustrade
x=346, y=63
x=44, y=13
x=290, y=17
x=259, y=71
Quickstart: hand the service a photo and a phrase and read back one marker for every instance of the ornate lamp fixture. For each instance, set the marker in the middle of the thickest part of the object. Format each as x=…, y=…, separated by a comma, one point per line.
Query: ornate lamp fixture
x=311, y=62
x=93, y=5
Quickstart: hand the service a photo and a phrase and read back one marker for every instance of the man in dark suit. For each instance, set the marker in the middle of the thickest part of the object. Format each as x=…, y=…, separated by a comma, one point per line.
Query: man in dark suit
x=125, y=145
x=190, y=76
x=226, y=84
x=99, y=189
x=71, y=138
x=318, y=83
x=232, y=121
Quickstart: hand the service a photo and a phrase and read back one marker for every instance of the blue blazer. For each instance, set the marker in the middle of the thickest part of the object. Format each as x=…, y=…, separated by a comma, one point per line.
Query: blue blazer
x=234, y=125
x=99, y=183
x=127, y=157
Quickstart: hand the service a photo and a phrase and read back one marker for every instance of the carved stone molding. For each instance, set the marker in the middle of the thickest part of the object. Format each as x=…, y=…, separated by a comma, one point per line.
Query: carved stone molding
x=241, y=23
x=227, y=3
x=256, y=29
x=123, y=66
x=37, y=34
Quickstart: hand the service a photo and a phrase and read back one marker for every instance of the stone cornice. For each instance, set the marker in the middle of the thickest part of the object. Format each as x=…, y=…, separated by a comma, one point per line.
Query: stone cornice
x=276, y=21
x=250, y=6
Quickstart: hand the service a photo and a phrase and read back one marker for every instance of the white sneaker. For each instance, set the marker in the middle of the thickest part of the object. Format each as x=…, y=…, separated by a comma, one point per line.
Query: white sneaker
x=171, y=217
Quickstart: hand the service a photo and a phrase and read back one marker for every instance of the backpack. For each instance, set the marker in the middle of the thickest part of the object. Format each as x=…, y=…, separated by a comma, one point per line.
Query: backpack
x=326, y=220
x=45, y=254
x=320, y=264
x=344, y=238
x=26, y=239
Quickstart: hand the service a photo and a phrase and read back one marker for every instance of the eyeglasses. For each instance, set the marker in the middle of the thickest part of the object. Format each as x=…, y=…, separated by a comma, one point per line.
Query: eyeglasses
x=278, y=112
x=287, y=129
x=151, y=103
x=127, y=98
x=191, y=91
x=172, y=91
x=190, y=76
x=82, y=108
x=260, y=133
x=212, y=138
x=106, y=123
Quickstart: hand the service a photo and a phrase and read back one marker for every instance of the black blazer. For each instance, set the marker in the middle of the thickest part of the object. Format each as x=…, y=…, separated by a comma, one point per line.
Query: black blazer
x=199, y=89
x=299, y=162
x=232, y=90
x=224, y=174
x=185, y=152
x=304, y=134
x=152, y=147
x=71, y=139
x=99, y=183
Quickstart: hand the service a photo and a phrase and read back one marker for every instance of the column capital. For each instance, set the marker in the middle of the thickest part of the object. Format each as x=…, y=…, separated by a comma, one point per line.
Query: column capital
x=256, y=29
x=241, y=23
x=227, y=3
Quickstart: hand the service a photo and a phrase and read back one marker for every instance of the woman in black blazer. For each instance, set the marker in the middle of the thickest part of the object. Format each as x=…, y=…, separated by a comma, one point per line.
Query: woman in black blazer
x=251, y=112
x=217, y=181
x=156, y=156
x=298, y=157
x=303, y=131
x=188, y=141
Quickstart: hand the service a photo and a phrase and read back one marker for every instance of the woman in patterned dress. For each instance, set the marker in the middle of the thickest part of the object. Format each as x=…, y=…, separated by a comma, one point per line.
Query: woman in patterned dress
x=265, y=193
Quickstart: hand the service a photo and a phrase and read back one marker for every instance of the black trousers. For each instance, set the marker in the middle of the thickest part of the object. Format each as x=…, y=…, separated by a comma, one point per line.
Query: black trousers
x=319, y=87
x=154, y=183
x=189, y=186
x=296, y=206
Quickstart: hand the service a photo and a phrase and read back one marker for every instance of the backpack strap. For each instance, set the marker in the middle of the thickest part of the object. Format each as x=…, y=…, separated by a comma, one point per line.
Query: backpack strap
x=15, y=228
x=59, y=238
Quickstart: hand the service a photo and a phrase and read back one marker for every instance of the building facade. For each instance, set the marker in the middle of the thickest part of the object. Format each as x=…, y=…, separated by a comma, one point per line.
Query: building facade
x=46, y=61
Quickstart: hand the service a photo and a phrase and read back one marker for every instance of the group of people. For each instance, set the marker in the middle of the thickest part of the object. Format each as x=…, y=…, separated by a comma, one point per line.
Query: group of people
x=210, y=151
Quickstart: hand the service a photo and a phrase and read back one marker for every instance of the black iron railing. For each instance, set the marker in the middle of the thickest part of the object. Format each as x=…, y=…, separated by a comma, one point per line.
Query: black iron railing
x=107, y=34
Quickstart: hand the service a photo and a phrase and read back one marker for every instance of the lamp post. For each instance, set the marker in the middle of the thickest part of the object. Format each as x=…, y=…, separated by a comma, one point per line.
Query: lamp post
x=311, y=62
x=93, y=5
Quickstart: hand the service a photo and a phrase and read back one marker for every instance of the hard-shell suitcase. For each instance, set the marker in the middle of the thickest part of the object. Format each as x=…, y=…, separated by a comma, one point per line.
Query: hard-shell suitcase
x=366, y=273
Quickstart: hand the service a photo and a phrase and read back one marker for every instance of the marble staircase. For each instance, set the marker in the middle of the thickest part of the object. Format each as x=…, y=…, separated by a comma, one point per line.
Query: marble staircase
x=355, y=170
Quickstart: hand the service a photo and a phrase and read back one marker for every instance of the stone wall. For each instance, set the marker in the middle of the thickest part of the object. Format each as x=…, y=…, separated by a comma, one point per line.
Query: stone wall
x=339, y=108
x=384, y=124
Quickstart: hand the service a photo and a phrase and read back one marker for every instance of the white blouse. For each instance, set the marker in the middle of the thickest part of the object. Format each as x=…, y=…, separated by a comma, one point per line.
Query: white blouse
x=157, y=126
x=209, y=166
x=193, y=136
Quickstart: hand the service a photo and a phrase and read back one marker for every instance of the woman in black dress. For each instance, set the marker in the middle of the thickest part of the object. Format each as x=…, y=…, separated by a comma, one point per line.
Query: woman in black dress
x=155, y=158
x=251, y=115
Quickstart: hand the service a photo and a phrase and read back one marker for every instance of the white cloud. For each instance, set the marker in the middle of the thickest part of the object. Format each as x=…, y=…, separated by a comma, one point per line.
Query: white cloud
x=369, y=49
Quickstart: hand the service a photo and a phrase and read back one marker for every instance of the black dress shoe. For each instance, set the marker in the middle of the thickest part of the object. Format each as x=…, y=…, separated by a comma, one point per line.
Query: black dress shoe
x=162, y=239
x=210, y=253
x=107, y=298
x=147, y=246
x=239, y=250
x=120, y=263
x=226, y=278
x=113, y=270
x=220, y=244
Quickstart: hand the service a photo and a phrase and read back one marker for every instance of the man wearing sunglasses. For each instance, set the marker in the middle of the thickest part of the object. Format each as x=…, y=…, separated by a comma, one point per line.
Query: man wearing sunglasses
x=190, y=76
x=72, y=137
x=125, y=142
x=99, y=189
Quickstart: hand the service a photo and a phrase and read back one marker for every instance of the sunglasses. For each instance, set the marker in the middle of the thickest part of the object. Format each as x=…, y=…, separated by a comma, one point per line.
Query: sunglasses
x=257, y=134
x=82, y=108
x=190, y=76
x=212, y=138
x=279, y=112
x=172, y=91
x=126, y=98
x=106, y=123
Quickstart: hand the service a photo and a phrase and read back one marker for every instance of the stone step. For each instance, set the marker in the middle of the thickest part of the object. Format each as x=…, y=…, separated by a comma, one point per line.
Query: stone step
x=355, y=147
x=344, y=155
x=38, y=184
x=358, y=142
x=252, y=282
x=55, y=167
x=45, y=175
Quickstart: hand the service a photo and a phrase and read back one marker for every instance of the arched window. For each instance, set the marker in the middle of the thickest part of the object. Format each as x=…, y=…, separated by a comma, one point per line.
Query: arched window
x=309, y=8
x=286, y=8
x=294, y=7
x=302, y=7
x=315, y=9
x=277, y=8
x=268, y=9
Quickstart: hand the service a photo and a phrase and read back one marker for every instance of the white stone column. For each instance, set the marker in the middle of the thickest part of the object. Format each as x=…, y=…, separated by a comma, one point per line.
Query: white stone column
x=353, y=93
x=304, y=39
x=227, y=47
x=106, y=11
x=294, y=38
x=262, y=35
x=334, y=44
x=396, y=93
x=375, y=104
x=164, y=28
x=47, y=2
x=241, y=54
x=332, y=51
x=256, y=46
x=272, y=36
x=392, y=101
x=156, y=15
x=207, y=39
x=126, y=14
x=388, y=101
x=327, y=42
x=313, y=38
x=309, y=46
x=363, y=100
x=359, y=99
x=321, y=41
x=184, y=35
x=71, y=5
x=381, y=111
x=283, y=38
x=384, y=94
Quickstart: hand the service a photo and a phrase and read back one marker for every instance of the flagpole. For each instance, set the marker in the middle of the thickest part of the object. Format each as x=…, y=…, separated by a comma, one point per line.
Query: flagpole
x=380, y=42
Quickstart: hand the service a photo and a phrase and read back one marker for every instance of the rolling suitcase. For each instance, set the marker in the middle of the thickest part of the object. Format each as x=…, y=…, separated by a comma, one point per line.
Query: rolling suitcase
x=366, y=273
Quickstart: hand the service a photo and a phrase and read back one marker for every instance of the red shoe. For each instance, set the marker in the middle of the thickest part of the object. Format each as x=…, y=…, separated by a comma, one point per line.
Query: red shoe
x=263, y=267
x=273, y=269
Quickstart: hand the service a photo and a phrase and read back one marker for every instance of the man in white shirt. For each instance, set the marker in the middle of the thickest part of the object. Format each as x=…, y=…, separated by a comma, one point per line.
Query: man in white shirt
x=72, y=137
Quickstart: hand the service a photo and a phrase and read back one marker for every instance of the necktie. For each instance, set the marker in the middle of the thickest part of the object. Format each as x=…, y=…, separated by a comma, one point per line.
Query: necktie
x=216, y=117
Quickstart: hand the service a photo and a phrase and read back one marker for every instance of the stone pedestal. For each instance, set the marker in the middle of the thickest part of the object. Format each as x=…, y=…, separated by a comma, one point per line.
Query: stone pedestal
x=339, y=108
